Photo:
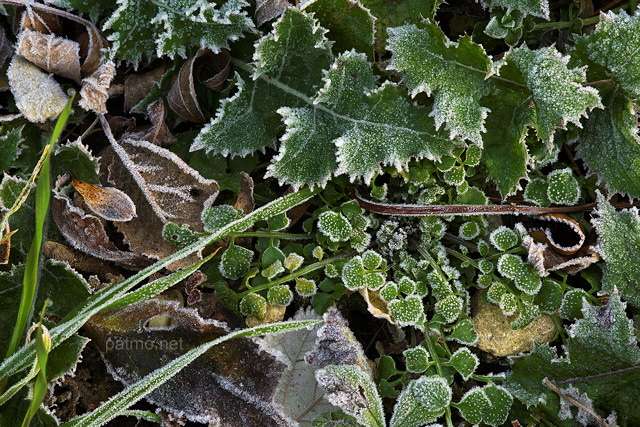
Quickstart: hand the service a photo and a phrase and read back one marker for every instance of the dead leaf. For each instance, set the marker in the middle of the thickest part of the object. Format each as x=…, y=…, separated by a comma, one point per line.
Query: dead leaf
x=158, y=133
x=38, y=96
x=108, y=203
x=6, y=47
x=82, y=262
x=42, y=21
x=95, y=88
x=52, y=53
x=86, y=232
x=266, y=10
x=163, y=188
x=275, y=313
x=138, y=85
x=5, y=243
x=215, y=388
x=210, y=69
x=245, y=197
x=376, y=305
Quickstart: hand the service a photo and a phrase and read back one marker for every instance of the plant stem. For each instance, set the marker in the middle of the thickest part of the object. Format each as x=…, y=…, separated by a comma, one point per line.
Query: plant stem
x=297, y=273
x=272, y=235
x=436, y=359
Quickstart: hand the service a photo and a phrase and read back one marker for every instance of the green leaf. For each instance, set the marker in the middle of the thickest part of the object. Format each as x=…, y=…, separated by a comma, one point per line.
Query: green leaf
x=464, y=362
x=407, y=311
x=166, y=27
x=351, y=389
x=416, y=359
x=235, y=262
x=524, y=275
x=289, y=64
x=539, y=8
x=422, y=401
x=473, y=405
x=9, y=148
x=610, y=146
x=613, y=46
x=335, y=226
x=563, y=187
x=602, y=361
x=75, y=158
x=464, y=333
x=503, y=238
x=216, y=217
x=454, y=72
x=350, y=25
x=618, y=243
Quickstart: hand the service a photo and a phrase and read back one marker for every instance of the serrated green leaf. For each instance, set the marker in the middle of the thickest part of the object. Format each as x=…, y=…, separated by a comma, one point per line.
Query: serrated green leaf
x=9, y=148
x=601, y=361
x=473, y=405
x=167, y=27
x=335, y=226
x=454, y=72
x=422, y=401
x=76, y=159
x=610, y=146
x=350, y=25
x=572, y=302
x=288, y=70
x=619, y=246
x=614, y=46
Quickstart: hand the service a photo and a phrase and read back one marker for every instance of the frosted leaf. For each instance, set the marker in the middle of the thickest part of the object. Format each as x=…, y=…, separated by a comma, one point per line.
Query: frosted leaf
x=609, y=144
x=525, y=276
x=353, y=274
x=253, y=305
x=95, y=88
x=416, y=359
x=510, y=265
x=464, y=362
x=619, y=246
x=216, y=217
x=38, y=96
x=469, y=230
x=168, y=26
x=453, y=72
x=335, y=226
x=52, y=53
x=495, y=292
x=108, y=203
x=563, y=188
x=539, y=8
x=500, y=404
x=389, y=292
x=305, y=287
x=572, y=303
x=503, y=238
x=422, y=401
x=407, y=286
x=527, y=314
x=454, y=176
x=235, y=262
x=407, y=311
x=613, y=45
x=266, y=10
x=508, y=304
x=449, y=307
x=318, y=253
x=371, y=260
x=473, y=405
x=536, y=190
x=280, y=295
x=354, y=392
x=273, y=270
x=293, y=261
x=463, y=333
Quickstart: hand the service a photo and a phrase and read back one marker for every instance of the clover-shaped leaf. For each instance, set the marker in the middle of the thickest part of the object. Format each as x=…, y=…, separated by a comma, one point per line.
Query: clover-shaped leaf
x=503, y=238
x=407, y=311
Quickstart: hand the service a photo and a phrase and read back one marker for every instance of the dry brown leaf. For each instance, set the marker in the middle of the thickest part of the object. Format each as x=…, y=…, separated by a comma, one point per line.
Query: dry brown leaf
x=158, y=133
x=6, y=47
x=81, y=261
x=52, y=53
x=163, y=188
x=375, y=304
x=245, y=197
x=95, y=88
x=266, y=10
x=5, y=243
x=210, y=69
x=138, y=85
x=108, y=203
x=86, y=232
x=38, y=96
x=37, y=20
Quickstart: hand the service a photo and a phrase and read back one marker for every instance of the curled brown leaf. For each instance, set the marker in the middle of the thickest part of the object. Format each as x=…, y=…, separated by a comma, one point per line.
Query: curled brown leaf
x=52, y=53
x=210, y=69
x=109, y=203
x=138, y=85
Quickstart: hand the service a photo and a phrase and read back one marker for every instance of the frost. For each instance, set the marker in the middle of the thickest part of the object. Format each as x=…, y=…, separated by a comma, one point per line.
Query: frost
x=464, y=362
x=407, y=311
x=539, y=8
x=503, y=238
x=422, y=401
x=454, y=72
x=335, y=226
x=416, y=359
x=563, y=188
x=235, y=262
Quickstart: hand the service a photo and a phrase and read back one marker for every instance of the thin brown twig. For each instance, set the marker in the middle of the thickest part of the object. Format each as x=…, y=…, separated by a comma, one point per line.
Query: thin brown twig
x=551, y=386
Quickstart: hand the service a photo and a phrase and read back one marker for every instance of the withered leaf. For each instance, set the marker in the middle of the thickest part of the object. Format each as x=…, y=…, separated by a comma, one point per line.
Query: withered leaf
x=38, y=96
x=6, y=48
x=138, y=85
x=52, y=53
x=231, y=385
x=95, y=88
x=211, y=69
x=266, y=10
x=158, y=133
x=86, y=232
x=5, y=243
x=107, y=202
x=163, y=188
x=38, y=20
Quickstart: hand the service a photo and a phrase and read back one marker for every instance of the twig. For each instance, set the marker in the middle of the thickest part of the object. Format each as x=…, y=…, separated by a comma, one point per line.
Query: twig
x=551, y=386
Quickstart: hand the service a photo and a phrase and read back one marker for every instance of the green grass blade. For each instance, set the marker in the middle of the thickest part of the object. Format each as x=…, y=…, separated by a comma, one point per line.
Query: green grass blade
x=138, y=390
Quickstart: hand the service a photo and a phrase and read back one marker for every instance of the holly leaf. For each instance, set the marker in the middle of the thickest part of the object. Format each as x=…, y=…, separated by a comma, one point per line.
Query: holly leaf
x=166, y=27
x=454, y=72
x=613, y=46
x=618, y=242
x=602, y=360
x=539, y=8
x=610, y=146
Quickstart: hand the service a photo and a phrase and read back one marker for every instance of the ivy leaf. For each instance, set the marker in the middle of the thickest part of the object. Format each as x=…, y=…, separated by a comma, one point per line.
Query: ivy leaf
x=454, y=72
x=602, y=361
x=610, y=146
x=168, y=27
x=618, y=243
x=613, y=45
x=289, y=64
